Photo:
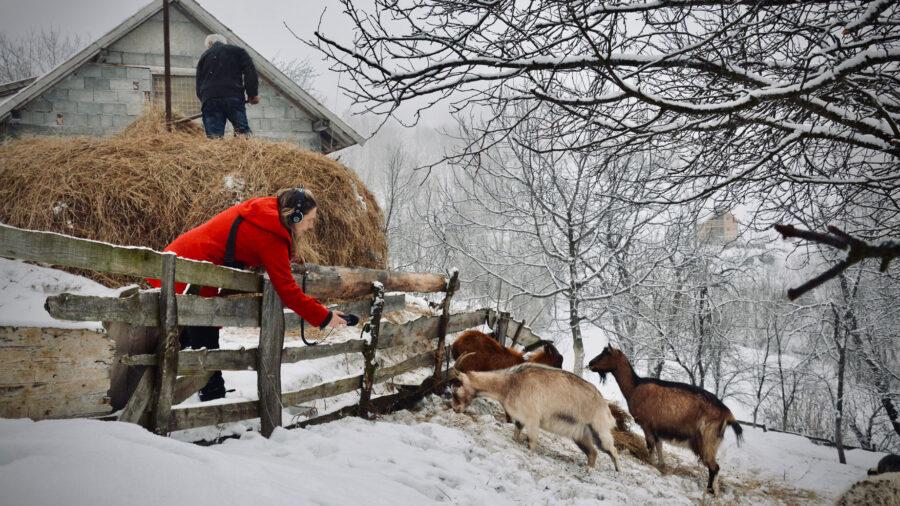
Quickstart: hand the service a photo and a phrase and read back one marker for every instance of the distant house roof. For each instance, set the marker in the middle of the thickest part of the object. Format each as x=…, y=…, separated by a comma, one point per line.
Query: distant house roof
x=341, y=133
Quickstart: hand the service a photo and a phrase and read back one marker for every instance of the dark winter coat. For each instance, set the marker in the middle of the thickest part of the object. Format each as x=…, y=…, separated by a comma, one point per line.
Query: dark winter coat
x=226, y=71
x=261, y=241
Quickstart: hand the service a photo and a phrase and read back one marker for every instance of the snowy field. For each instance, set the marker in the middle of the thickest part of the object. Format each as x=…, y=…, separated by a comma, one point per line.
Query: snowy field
x=431, y=455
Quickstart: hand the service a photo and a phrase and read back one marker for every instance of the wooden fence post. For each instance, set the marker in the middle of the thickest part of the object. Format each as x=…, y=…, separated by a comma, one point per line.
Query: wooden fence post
x=502, y=327
x=268, y=371
x=452, y=286
x=167, y=348
x=368, y=379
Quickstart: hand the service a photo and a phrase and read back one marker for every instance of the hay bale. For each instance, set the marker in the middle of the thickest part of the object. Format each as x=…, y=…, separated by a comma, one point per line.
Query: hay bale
x=146, y=186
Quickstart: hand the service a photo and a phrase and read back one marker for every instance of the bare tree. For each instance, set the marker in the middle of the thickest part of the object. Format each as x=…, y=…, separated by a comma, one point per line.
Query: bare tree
x=34, y=54
x=768, y=98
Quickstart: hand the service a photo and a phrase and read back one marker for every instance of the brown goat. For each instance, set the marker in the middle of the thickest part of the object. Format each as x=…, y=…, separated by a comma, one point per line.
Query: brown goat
x=541, y=397
x=671, y=411
x=485, y=354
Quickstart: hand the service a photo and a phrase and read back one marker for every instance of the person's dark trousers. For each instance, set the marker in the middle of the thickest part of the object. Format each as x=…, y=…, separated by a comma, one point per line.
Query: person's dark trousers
x=205, y=337
x=217, y=110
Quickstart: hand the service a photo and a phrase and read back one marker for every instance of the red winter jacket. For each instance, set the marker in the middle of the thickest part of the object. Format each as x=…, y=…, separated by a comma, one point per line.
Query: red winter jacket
x=261, y=240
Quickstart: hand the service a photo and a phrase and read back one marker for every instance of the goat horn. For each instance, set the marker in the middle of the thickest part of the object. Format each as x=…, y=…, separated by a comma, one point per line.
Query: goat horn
x=460, y=359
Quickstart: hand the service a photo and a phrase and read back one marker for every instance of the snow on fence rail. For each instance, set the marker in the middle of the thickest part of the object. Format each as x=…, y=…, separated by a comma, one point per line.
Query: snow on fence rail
x=159, y=386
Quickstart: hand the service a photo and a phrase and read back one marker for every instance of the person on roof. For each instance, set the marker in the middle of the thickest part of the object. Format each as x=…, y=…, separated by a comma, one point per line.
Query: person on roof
x=264, y=232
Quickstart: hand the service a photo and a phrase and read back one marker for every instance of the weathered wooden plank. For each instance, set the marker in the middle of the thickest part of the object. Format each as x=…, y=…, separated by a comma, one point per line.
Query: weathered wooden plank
x=327, y=282
x=186, y=386
x=268, y=378
x=54, y=373
x=361, y=308
x=452, y=285
x=67, y=251
x=142, y=309
x=167, y=350
x=140, y=399
x=368, y=380
x=426, y=328
x=502, y=328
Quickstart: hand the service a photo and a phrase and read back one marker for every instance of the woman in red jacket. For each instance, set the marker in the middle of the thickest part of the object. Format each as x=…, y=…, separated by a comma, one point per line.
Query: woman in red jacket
x=258, y=232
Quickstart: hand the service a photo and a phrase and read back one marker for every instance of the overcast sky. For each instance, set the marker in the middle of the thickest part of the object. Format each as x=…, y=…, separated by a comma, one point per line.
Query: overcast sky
x=258, y=22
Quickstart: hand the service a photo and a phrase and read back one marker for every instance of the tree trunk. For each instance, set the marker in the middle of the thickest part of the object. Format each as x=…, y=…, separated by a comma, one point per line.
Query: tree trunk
x=577, y=344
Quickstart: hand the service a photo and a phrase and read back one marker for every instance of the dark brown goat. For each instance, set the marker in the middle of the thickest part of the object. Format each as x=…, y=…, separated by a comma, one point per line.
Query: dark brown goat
x=484, y=354
x=671, y=411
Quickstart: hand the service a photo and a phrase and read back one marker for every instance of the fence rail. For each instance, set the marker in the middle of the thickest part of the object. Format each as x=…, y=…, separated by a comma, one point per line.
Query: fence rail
x=159, y=388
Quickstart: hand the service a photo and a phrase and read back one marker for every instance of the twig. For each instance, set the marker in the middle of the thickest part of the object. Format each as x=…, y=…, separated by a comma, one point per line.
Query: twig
x=837, y=238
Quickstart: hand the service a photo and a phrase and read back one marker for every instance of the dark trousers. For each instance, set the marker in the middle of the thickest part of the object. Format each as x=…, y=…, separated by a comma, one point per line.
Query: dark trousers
x=205, y=337
x=217, y=110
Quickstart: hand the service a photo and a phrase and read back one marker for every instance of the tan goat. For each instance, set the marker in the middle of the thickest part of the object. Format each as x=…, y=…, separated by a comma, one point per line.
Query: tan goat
x=540, y=397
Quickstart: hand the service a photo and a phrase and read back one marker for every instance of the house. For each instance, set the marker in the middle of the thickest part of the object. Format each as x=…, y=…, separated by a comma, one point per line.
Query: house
x=720, y=229
x=107, y=85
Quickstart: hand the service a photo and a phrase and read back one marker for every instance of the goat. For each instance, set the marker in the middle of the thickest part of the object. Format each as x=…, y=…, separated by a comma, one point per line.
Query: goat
x=484, y=354
x=671, y=411
x=888, y=464
x=541, y=397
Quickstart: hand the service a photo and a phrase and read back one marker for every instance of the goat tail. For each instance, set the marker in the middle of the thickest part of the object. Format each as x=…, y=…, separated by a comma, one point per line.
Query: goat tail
x=736, y=427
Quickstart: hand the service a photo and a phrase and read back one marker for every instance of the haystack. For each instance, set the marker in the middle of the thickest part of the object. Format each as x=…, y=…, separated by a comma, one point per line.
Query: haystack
x=146, y=186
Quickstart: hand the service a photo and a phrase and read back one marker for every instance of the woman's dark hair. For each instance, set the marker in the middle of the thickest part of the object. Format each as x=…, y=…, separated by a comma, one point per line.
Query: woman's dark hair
x=289, y=201
x=292, y=199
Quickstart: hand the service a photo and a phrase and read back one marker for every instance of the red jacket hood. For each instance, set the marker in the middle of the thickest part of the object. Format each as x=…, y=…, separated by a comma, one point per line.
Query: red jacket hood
x=263, y=212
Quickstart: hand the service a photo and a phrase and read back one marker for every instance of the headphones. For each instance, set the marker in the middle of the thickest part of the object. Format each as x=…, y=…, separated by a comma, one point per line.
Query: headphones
x=296, y=215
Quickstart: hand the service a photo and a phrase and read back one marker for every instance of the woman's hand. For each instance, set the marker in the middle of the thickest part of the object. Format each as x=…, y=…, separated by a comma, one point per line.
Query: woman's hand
x=337, y=320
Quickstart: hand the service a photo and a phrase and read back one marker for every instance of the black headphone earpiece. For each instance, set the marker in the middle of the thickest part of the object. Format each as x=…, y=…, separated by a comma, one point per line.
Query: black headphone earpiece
x=297, y=215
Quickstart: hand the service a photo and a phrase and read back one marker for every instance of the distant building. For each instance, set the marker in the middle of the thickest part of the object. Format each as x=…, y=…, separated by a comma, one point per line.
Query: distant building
x=720, y=229
x=106, y=86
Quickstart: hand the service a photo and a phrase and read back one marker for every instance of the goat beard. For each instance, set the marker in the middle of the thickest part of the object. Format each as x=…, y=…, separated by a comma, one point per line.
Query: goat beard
x=602, y=377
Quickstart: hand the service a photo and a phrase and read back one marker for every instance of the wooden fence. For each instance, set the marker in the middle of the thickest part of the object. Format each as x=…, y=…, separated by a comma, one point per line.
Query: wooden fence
x=160, y=386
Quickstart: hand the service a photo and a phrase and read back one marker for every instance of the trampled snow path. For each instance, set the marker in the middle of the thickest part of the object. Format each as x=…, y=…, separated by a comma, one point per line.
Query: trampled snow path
x=430, y=456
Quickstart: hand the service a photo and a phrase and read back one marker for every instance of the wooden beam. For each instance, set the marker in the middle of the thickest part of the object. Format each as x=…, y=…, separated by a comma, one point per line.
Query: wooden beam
x=268, y=378
x=368, y=379
x=452, y=285
x=167, y=349
x=140, y=399
x=63, y=250
x=327, y=282
x=502, y=328
x=186, y=386
x=142, y=309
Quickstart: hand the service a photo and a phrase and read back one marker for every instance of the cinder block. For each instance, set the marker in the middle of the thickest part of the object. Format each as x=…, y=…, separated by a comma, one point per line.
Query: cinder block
x=273, y=112
x=93, y=120
x=122, y=121
x=96, y=83
x=114, y=57
x=106, y=121
x=301, y=125
x=89, y=70
x=113, y=72
x=89, y=108
x=122, y=84
x=134, y=58
x=40, y=105
x=72, y=83
x=74, y=120
x=134, y=109
x=64, y=106
x=81, y=95
x=130, y=97
x=57, y=93
x=34, y=118
x=282, y=125
x=115, y=109
x=137, y=73
x=105, y=96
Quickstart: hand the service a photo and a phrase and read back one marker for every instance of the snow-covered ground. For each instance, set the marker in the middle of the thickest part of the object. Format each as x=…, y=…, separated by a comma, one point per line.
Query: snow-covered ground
x=431, y=455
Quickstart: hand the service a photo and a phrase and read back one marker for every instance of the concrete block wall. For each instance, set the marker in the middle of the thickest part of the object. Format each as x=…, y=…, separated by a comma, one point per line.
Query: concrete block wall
x=96, y=99
x=103, y=98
